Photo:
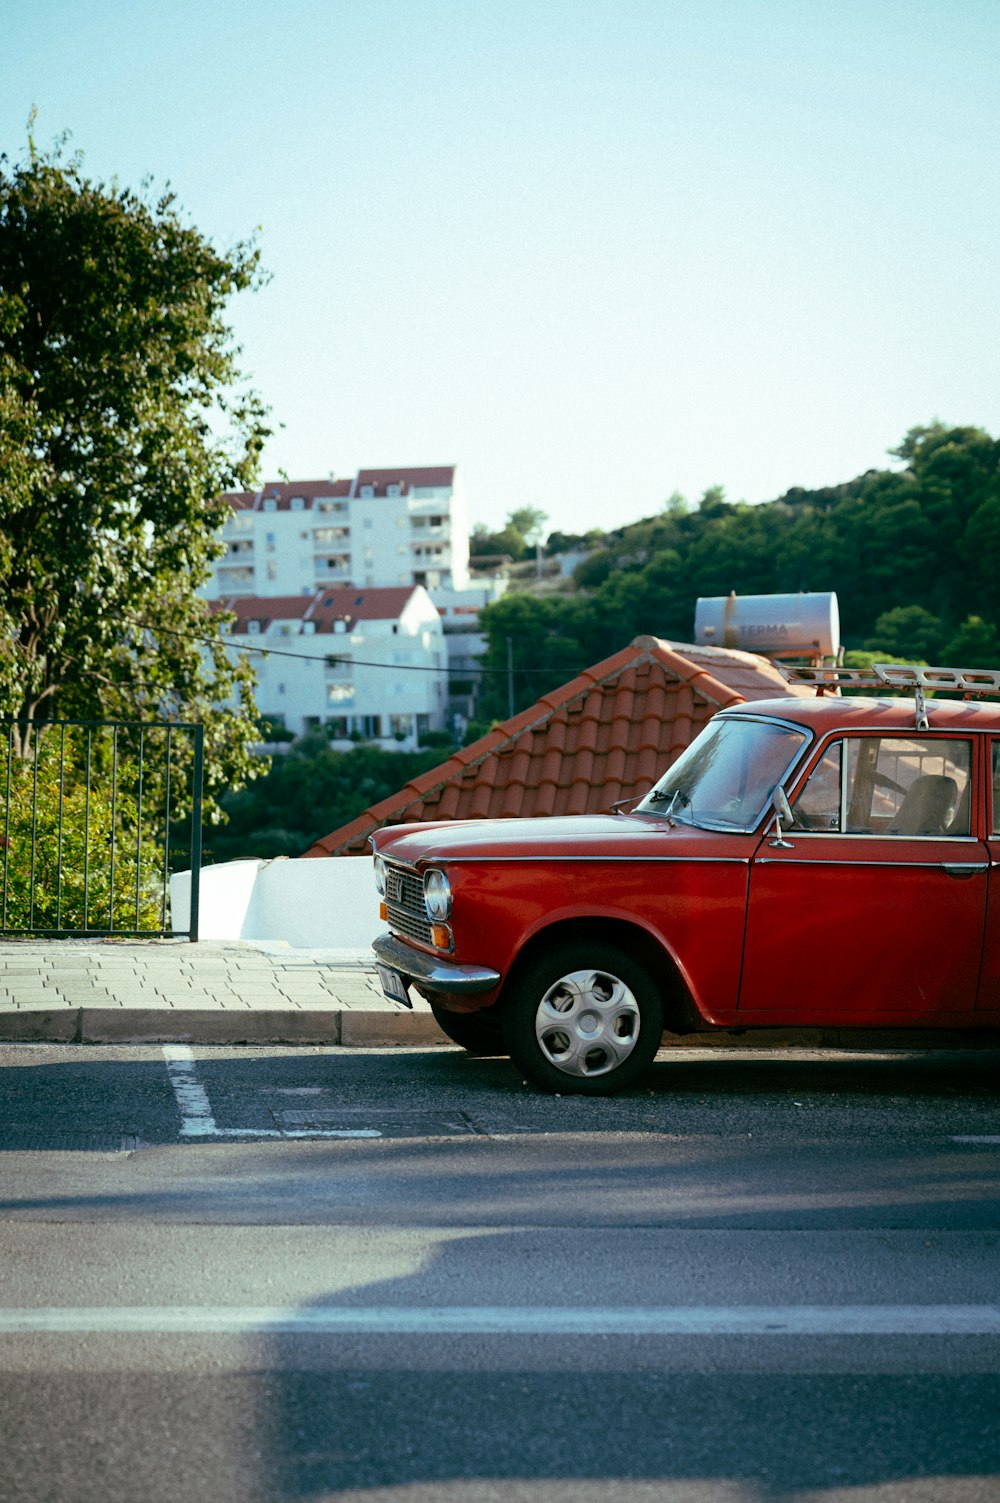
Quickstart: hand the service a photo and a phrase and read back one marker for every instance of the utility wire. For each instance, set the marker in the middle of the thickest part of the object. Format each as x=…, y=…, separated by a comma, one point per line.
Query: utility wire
x=332, y=657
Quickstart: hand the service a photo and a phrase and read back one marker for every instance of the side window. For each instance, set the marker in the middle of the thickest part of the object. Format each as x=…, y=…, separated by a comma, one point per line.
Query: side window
x=890, y=785
x=818, y=806
x=918, y=787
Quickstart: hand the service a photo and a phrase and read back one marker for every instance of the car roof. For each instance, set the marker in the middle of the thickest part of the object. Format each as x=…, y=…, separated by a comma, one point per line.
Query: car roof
x=856, y=712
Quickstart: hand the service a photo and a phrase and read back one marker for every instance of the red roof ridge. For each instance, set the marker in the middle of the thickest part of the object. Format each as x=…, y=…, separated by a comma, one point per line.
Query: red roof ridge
x=705, y=682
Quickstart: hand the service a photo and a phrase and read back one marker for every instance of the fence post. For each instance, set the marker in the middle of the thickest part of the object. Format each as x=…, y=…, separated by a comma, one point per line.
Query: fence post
x=197, y=782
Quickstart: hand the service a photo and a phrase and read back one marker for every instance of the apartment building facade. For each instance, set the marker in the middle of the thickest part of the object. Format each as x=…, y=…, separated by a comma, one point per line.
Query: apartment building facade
x=381, y=528
x=367, y=664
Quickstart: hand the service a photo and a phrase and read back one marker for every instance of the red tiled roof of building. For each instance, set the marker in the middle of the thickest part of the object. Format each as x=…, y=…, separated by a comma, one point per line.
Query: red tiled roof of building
x=406, y=479
x=360, y=603
x=322, y=608
x=264, y=609
x=309, y=491
x=606, y=735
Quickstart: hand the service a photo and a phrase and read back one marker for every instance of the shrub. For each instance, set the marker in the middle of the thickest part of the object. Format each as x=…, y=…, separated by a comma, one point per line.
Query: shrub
x=74, y=858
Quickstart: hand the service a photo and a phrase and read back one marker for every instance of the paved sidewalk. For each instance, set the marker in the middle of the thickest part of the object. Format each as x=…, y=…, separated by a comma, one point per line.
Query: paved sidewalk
x=213, y=992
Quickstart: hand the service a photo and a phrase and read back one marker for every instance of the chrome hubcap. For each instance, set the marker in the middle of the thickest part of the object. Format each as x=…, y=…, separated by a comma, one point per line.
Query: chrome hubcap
x=587, y=1023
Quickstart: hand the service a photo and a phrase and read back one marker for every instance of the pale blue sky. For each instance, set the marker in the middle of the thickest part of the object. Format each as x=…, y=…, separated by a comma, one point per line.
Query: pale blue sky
x=592, y=253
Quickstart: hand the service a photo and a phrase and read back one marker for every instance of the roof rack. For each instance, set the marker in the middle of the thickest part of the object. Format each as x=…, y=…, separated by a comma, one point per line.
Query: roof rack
x=974, y=683
x=831, y=678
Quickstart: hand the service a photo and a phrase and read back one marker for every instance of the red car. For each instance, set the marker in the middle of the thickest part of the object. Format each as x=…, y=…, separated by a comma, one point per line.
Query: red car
x=822, y=862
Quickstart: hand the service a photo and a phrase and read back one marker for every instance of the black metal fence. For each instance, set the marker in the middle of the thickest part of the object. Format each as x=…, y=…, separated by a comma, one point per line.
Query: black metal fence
x=95, y=816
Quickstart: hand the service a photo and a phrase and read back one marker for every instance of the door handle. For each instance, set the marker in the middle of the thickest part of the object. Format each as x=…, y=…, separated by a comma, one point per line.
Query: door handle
x=963, y=869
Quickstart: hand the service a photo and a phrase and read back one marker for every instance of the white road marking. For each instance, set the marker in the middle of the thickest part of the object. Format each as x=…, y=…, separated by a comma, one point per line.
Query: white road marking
x=985, y=1138
x=719, y=1320
x=198, y=1119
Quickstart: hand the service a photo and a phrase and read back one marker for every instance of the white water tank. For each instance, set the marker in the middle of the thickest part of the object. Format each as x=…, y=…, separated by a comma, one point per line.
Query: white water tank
x=807, y=624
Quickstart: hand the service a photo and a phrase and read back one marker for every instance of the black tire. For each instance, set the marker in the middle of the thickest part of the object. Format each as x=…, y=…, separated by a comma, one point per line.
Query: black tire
x=477, y=1032
x=584, y=1019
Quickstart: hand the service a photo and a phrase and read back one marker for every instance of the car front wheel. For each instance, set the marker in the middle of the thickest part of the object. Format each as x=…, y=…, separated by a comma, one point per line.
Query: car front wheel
x=583, y=1019
x=477, y=1032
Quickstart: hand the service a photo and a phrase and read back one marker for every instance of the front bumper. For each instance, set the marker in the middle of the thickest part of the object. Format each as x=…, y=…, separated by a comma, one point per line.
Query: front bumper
x=429, y=974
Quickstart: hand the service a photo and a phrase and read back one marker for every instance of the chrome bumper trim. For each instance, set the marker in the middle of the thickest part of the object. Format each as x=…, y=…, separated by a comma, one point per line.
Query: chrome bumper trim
x=430, y=972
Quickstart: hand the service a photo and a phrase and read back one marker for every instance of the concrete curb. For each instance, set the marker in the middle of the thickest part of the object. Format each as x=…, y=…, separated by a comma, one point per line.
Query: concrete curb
x=357, y=1028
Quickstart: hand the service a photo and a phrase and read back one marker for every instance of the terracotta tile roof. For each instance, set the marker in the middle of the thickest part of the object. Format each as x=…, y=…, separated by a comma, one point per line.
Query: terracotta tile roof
x=360, y=603
x=283, y=492
x=311, y=491
x=347, y=603
x=606, y=735
x=264, y=609
x=436, y=475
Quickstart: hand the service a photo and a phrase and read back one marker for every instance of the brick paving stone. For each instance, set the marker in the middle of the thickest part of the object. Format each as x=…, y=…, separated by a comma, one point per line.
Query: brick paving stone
x=36, y=1004
x=173, y=990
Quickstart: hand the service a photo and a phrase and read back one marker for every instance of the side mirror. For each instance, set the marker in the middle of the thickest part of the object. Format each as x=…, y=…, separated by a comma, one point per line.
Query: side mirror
x=782, y=811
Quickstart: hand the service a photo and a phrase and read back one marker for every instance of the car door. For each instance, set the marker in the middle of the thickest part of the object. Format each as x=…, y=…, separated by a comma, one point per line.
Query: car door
x=870, y=909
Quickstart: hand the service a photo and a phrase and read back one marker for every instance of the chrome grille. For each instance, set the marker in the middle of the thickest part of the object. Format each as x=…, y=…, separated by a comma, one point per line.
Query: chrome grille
x=404, y=900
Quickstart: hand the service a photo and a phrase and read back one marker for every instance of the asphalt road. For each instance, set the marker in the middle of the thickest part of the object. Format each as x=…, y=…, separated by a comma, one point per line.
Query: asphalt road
x=401, y=1275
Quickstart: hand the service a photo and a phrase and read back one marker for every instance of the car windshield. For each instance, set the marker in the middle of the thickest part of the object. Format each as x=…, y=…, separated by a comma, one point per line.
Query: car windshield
x=724, y=779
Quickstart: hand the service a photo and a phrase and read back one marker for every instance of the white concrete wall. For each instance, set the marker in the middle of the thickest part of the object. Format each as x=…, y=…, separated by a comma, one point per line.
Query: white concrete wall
x=310, y=905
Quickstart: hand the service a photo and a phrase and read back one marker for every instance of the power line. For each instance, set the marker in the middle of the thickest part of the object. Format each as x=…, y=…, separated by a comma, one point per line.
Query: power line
x=332, y=657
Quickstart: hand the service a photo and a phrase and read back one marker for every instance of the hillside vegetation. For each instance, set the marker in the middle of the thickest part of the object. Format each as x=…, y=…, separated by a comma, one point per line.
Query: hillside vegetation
x=913, y=553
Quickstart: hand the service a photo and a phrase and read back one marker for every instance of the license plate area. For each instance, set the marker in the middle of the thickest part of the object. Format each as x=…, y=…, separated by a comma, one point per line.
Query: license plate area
x=393, y=985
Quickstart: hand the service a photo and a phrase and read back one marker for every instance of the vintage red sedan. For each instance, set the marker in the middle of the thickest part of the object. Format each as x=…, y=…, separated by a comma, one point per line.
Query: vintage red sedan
x=820, y=863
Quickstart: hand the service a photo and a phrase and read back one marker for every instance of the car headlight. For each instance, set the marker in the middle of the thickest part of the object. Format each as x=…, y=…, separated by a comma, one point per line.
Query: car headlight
x=437, y=894
x=380, y=883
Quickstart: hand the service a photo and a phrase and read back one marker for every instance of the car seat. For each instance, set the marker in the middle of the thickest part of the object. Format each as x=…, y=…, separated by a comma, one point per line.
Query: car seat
x=928, y=806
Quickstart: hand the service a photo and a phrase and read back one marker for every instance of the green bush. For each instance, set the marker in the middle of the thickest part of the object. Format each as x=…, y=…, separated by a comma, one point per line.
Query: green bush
x=73, y=862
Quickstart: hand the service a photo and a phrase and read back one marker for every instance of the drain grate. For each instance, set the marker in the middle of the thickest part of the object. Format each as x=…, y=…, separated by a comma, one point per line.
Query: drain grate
x=27, y=1140
x=388, y=1124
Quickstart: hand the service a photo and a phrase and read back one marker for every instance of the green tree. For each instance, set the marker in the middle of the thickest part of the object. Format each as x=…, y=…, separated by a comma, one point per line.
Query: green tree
x=508, y=540
x=976, y=644
x=567, y=542
x=520, y=534
x=530, y=522
x=308, y=792
x=907, y=631
x=124, y=417
x=551, y=639
x=675, y=505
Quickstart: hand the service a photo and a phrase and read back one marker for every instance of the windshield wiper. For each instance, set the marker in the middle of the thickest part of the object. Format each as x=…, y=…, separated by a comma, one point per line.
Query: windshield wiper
x=658, y=796
x=676, y=797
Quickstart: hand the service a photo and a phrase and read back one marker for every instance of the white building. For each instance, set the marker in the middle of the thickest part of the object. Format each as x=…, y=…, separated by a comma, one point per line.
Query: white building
x=363, y=663
x=459, y=610
x=382, y=529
